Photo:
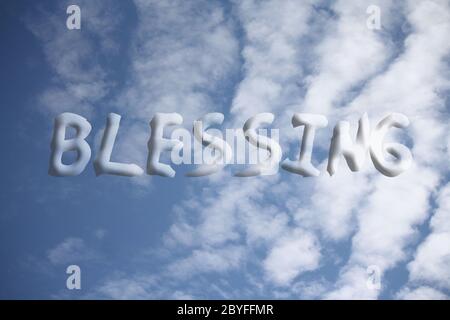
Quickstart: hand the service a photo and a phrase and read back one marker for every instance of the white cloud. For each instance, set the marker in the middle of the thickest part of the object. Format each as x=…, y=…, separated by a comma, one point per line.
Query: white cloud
x=421, y=293
x=184, y=55
x=331, y=202
x=208, y=260
x=234, y=211
x=349, y=54
x=183, y=46
x=410, y=85
x=292, y=255
x=226, y=212
x=386, y=224
x=71, y=250
x=183, y=51
x=431, y=263
x=100, y=233
x=76, y=57
x=123, y=288
x=272, y=55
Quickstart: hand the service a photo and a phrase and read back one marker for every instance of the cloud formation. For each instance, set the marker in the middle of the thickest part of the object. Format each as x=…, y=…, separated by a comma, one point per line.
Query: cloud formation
x=279, y=235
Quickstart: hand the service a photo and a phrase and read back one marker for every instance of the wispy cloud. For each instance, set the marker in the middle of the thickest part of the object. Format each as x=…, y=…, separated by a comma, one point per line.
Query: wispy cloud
x=78, y=59
x=432, y=258
x=252, y=56
x=292, y=255
x=387, y=222
x=71, y=251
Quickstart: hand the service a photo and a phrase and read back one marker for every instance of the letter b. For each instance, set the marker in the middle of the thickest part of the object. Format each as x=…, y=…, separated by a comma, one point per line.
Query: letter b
x=60, y=145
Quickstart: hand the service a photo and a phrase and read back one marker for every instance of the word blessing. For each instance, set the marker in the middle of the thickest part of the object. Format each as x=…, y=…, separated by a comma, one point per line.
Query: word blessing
x=389, y=158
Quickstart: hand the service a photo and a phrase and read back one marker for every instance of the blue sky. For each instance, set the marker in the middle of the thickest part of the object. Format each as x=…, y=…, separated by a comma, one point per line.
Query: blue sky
x=281, y=236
